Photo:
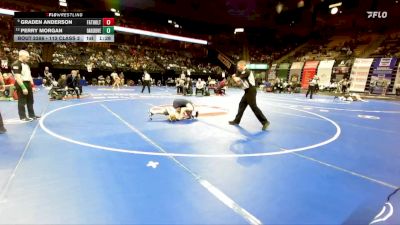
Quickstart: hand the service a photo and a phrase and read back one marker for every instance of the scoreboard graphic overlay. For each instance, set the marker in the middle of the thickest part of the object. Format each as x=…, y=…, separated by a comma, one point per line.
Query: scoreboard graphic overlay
x=64, y=27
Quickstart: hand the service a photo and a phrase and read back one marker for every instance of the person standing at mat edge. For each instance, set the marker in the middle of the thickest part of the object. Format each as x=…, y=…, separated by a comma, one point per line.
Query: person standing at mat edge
x=246, y=78
x=146, y=81
x=312, y=86
x=2, y=88
x=22, y=74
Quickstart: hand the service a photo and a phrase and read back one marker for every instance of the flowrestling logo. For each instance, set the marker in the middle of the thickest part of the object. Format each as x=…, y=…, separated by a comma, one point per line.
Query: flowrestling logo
x=377, y=14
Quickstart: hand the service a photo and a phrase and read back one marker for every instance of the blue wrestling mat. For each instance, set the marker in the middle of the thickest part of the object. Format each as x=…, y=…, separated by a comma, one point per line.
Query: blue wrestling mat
x=100, y=160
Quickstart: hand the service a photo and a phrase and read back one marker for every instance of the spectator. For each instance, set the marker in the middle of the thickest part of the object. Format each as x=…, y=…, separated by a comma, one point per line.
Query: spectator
x=108, y=81
x=9, y=83
x=59, y=90
x=220, y=90
x=187, y=88
x=122, y=78
x=47, y=77
x=200, y=86
x=397, y=87
x=101, y=80
x=62, y=81
x=73, y=82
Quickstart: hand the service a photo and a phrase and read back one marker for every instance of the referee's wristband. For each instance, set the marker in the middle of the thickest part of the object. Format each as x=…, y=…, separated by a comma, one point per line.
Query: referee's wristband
x=23, y=87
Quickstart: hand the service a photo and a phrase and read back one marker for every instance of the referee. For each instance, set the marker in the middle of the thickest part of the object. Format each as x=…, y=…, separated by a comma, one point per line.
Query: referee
x=146, y=81
x=2, y=129
x=24, y=83
x=246, y=79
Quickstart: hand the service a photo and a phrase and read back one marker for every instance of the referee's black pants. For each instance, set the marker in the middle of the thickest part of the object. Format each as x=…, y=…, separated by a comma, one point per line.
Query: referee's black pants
x=311, y=90
x=146, y=83
x=249, y=98
x=1, y=122
x=25, y=100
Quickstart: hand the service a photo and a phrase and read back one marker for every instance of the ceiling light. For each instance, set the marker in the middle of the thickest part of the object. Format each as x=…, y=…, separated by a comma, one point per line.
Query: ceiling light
x=334, y=10
x=279, y=8
x=335, y=5
x=238, y=30
x=7, y=12
x=159, y=35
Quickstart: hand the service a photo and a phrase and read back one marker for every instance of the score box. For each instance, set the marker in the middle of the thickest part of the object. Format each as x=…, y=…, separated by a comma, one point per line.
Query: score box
x=108, y=22
x=108, y=30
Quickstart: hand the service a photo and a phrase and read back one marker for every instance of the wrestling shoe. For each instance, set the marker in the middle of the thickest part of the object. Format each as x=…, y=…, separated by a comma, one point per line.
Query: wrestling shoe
x=35, y=117
x=3, y=130
x=265, y=125
x=26, y=119
x=233, y=122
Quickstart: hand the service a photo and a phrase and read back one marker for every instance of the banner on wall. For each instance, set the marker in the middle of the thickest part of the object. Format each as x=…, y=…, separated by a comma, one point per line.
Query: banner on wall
x=382, y=75
x=272, y=72
x=224, y=60
x=359, y=74
x=283, y=71
x=309, y=71
x=325, y=72
x=295, y=71
x=257, y=66
x=340, y=71
x=397, y=81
